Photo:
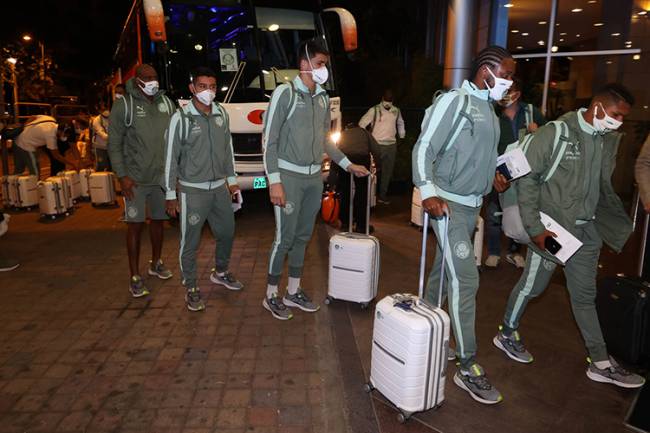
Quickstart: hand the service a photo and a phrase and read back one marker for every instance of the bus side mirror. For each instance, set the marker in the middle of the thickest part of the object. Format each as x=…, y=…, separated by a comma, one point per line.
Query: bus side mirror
x=348, y=28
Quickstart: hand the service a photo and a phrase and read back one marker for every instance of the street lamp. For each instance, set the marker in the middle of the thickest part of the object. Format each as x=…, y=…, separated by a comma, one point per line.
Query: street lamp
x=27, y=38
x=12, y=60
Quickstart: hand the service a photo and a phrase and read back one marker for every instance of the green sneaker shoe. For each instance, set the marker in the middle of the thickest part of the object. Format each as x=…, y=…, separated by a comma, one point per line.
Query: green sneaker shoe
x=193, y=300
x=137, y=287
x=277, y=308
x=615, y=375
x=159, y=270
x=227, y=280
x=512, y=346
x=476, y=383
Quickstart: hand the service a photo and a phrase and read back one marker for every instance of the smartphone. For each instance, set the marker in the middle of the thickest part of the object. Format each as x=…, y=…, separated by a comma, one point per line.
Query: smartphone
x=551, y=245
x=503, y=169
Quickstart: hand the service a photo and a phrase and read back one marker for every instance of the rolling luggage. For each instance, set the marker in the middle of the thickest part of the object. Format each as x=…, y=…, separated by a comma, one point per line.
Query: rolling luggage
x=9, y=192
x=416, y=208
x=66, y=190
x=74, y=181
x=410, y=345
x=26, y=192
x=102, y=188
x=84, y=182
x=53, y=197
x=624, y=313
x=354, y=262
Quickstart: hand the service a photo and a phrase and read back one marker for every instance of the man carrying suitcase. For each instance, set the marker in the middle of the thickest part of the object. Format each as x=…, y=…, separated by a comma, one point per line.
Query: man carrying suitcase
x=454, y=165
x=136, y=145
x=199, y=155
x=583, y=201
x=295, y=135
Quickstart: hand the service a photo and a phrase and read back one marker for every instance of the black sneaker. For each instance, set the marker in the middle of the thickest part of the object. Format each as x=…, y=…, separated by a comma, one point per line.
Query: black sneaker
x=193, y=300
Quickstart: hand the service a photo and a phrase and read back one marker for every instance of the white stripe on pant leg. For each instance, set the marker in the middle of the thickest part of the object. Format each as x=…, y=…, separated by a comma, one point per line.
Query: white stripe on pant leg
x=183, y=229
x=277, y=210
x=453, y=293
x=535, y=261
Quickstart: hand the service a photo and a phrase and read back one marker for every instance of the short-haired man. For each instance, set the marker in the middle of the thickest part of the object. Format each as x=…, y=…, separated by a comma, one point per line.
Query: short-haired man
x=200, y=157
x=295, y=136
x=136, y=147
x=39, y=131
x=580, y=197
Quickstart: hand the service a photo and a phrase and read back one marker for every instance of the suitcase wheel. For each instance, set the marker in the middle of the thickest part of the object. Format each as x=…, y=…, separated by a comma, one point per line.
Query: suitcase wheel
x=367, y=388
x=328, y=300
x=364, y=305
x=402, y=417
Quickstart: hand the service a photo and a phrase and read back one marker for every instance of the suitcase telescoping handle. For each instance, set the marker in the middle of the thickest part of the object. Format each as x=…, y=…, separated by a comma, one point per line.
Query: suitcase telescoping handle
x=423, y=256
x=352, y=193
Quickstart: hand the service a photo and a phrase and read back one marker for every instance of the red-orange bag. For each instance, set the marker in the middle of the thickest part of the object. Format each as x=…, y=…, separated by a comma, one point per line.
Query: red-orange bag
x=330, y=207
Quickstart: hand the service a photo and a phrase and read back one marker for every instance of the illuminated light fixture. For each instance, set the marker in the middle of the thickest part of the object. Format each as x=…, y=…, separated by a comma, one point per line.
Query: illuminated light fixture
x=540, y=42
x=286, y=78
x=519, y=47
x=528, y=60
x=616, y=34
x=578, y=35
x=561, y=39
x=173, y=51
x=570, y=58
x=591, y=2
x=508, y=5
x=524, y=34
x=554, y=48
x=514, y=31
x=265, y=72
x=563, y=34
x=628, y=42
x=274, y=28
x=609, y=62
x=12, y=60
x=224, y=88
x=642, y=13
x=198, y=47
x=27, y=38
x=576, y=10
x=645, y=106
x=335, y=137
x=541, y=23
x=598, y=24
x=637, y=57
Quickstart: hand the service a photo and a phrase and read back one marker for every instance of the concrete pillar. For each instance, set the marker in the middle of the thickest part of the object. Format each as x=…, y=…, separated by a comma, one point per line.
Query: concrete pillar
x=460, y=39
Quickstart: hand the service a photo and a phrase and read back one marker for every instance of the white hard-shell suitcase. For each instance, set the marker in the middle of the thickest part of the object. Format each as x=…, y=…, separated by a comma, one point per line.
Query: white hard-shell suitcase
x=26, y=192
x=84, y=182
x=9, y=190
x=53, y=196
x=354, y=262
x=74, y=181
x=410, y=345
x=66, y=190
x=102, y=188
x=479, y=235
x=416, y=208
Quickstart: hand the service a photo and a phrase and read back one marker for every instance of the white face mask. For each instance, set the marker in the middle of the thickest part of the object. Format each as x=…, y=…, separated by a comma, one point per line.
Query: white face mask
x=605, y=124
x=205, y=97
x=320, y=75
x=118, y=96
x=501, y=87
x=387, y=105
x=149, y=88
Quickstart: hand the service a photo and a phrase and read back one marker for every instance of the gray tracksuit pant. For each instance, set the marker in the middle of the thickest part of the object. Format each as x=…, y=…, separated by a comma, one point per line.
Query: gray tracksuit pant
x=580, y=272
x=197, y=206
x=461, y=275
x=294, y=224
x=388, y=155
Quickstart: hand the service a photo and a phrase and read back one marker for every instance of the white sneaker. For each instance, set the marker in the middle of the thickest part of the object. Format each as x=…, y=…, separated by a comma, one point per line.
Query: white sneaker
x=492, y=261
x=517, y=260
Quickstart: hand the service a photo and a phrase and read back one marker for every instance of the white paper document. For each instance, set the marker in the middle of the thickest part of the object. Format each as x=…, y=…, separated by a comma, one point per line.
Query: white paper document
x=237, y=200
x=570, y=244
x=513, y=164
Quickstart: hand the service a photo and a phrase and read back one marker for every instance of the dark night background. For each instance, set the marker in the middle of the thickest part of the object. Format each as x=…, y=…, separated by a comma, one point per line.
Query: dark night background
x=81, y=37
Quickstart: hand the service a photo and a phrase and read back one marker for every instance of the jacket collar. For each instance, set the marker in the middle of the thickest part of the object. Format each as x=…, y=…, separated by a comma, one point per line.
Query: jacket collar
x=193, y=110
x=473, y=90
x=586, y=127
x=298, y=84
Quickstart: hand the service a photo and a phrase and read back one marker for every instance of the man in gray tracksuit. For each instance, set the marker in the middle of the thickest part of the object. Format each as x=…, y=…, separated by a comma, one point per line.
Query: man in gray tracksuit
x=199, y=156
x=136, y=145
x=295, y=129
x=454, y=166
x=579, y=196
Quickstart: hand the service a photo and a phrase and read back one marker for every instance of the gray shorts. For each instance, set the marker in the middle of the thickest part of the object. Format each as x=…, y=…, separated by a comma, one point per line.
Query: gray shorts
x=145, y=196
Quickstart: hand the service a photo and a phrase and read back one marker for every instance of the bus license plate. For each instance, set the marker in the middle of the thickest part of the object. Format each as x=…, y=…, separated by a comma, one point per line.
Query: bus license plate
x=259, y=182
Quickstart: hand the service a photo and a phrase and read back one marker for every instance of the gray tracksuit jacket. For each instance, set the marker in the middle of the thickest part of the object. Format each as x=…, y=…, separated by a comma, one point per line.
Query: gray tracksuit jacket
x=136, y=135
x=199, y=150
x=295, y=130
x=463, y=173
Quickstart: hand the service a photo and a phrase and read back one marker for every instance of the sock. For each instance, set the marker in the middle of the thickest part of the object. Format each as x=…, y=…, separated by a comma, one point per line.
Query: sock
x=294, y=284
x=601, y=365
x=271, y=289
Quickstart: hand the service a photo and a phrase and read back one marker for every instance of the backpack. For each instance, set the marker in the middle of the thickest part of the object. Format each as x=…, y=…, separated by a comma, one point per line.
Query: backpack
x=128, y=106
x=12, y=132
x=530, y=118
x=374, y=117
x=461, y=116
x=511, y=222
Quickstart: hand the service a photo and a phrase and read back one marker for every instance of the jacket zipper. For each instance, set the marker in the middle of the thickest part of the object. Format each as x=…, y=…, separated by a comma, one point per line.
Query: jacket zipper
x=313, y=130
x=209, y=120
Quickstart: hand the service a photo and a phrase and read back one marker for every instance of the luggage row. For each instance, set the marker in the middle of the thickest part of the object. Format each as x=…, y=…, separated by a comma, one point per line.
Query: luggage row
x=56, y=195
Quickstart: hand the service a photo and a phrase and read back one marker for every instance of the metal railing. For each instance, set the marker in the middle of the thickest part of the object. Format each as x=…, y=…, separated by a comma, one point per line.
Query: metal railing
x=26, y=110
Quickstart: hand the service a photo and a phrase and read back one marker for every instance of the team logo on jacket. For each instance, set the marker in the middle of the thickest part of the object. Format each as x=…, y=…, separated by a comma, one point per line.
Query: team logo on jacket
x=140, y=111
x=219, y=121
x=193, y=219
x=132, y=212
x=462, y=250
x=163, y=108
x=289, y=207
